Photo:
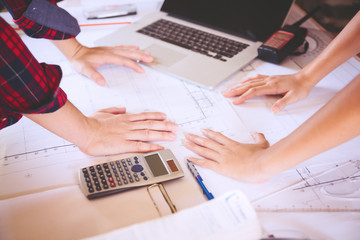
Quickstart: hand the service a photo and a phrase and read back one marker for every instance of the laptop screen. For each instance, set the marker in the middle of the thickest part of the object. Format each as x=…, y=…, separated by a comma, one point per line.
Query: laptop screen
x=252, y=19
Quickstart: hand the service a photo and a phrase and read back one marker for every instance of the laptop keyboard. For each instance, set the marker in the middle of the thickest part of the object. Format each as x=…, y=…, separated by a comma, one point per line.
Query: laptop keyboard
x=196, y=40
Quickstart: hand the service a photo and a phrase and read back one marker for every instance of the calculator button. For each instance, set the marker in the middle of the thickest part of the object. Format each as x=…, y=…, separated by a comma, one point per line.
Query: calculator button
x=125, y=182
x=137, y=168
x=142, y=174
x=106, y=186
x=89, y=184
x=98, y=188
x=91, y=190
x=145, y=178
x=131, y=180
x=108, y=174
x=112, y=184
x=110, y=179
x=84, y=170
x=137, y=179
x=92, y=169
x=103, y=181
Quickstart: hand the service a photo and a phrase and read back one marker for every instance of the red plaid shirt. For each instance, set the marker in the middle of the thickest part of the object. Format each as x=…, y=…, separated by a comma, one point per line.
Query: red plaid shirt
x=26, y=86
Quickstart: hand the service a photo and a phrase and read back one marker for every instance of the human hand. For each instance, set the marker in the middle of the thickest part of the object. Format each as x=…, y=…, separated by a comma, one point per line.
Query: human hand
x=114, y=132
x=228, y=157
x=87, y=60
x=293, y=88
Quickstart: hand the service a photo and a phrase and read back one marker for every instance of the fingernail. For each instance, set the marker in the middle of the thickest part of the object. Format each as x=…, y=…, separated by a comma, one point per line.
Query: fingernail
x=275, y=110
x=175, y=127
x=172, y=136
x=204, y=131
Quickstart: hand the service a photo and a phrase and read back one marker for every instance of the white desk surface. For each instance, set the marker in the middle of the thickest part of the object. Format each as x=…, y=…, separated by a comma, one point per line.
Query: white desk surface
x=40, y=196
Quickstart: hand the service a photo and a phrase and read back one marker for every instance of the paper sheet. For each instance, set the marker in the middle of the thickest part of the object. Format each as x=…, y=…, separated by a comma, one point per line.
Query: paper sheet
x=33, y=160
x=227, y=217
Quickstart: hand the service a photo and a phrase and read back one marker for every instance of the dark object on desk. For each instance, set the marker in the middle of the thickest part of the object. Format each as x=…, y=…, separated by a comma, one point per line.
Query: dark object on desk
x=284, y=41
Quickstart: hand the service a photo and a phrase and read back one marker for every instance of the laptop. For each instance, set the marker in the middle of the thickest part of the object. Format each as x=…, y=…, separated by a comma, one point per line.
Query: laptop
x=203, y=41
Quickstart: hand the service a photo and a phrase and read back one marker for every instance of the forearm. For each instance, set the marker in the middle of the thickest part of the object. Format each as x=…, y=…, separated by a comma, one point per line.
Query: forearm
x=68, y=47
x=343, y=47
x=335, y=123
x=67, y=122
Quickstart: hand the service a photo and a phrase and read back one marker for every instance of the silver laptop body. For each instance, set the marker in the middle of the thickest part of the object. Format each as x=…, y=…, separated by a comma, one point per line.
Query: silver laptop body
x=194, y=67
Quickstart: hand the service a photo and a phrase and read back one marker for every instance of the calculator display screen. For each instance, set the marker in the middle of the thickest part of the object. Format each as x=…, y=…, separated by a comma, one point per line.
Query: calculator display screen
x=156, y=165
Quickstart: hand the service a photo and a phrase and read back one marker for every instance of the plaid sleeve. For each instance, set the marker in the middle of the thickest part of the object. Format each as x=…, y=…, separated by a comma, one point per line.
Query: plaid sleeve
x=26, y=86
x=42, y=19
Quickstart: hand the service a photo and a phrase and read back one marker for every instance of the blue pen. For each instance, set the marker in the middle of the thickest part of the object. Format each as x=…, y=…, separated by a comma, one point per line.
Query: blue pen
x=198, y=178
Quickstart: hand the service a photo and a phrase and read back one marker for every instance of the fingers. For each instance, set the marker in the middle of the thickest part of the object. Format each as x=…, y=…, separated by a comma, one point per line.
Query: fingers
x=129, y=57
x=155, y=125
x=150, y=135
x=146, y=147
x=204, y=142
x=256, y=77
x=287, y=99
x=146, y=116
x=254, y=92
x=138, y=146
x=94, y=75
x=261, y=140
x=200, y=150
x=206, y=163
x=216, y=136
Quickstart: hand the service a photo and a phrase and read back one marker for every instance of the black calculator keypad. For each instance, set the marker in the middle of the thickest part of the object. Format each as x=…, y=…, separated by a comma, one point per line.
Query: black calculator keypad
x=113, y=174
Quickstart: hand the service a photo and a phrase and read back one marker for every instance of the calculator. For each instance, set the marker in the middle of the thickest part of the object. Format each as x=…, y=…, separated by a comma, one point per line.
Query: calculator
x=124, y=174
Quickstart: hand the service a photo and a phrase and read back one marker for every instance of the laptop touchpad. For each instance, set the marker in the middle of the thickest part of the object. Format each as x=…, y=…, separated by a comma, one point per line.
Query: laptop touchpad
x=164, y=56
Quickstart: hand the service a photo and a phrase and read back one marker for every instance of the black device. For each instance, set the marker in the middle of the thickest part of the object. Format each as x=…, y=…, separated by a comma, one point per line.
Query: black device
x=284, y=41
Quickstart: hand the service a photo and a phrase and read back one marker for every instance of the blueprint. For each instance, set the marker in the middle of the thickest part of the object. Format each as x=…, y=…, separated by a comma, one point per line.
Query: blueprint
x=33, y=159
